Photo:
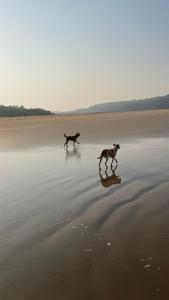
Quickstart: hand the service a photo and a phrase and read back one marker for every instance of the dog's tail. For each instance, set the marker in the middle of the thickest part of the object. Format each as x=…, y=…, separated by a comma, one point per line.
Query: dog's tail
x=99, y=157
x=64, y=135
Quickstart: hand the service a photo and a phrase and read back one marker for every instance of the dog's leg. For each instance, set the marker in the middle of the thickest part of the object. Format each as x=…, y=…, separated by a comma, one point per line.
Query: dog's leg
x=101, y=177
x=107, y=176
x=101, y=157
x=116, y=160
x=114, y=169
x=65, y=144
x=106, y=161
x=112, y=162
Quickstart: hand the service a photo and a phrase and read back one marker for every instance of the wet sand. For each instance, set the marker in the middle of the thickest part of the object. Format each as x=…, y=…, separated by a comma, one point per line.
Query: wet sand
x=69, y=232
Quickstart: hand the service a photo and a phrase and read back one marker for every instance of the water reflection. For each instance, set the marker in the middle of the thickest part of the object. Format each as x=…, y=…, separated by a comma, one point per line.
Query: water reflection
x=75, y=152
x=109, y=180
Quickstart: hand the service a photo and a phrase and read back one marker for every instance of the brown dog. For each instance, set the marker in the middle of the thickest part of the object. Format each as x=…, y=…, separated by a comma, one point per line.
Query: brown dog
x=72, y=138
x=109, y=153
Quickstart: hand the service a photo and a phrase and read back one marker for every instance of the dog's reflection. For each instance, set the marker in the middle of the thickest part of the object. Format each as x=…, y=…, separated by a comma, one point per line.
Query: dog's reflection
x=75, y=152
x=109, y=180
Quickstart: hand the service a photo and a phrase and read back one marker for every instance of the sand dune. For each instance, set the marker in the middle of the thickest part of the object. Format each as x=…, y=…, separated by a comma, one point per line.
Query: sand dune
x=26, y=132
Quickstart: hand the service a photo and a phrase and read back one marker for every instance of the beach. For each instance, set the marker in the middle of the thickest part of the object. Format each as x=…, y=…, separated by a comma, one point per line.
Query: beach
x=68, y=231
x=25, y=132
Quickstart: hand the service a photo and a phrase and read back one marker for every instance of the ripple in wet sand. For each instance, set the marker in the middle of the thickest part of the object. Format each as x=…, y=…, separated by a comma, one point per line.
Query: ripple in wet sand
x=70, y=232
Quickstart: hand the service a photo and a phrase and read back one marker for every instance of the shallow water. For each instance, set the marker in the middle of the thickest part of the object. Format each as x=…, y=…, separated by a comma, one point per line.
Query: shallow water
x=68, y=232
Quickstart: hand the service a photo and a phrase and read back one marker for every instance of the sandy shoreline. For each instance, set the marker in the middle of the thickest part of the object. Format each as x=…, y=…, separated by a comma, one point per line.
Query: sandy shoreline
x=25, y=132
x=59, y=224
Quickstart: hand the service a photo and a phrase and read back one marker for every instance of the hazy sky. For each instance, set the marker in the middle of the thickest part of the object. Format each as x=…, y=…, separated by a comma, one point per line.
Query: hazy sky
x=68, y=54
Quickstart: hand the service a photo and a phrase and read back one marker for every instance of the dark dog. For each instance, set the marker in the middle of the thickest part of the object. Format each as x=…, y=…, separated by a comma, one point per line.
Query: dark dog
x=109, y=153
x=72, y=138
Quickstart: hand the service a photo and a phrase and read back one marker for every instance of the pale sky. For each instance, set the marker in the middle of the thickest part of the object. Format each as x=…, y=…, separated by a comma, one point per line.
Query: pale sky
x=67, y=54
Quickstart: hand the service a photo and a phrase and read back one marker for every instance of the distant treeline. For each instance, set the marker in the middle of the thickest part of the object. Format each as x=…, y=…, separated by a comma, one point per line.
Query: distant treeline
x=16, y=111
x=161, y=102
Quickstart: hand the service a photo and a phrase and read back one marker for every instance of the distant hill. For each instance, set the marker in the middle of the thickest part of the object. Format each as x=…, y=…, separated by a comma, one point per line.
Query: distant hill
x=161, y=102
x=16, y=111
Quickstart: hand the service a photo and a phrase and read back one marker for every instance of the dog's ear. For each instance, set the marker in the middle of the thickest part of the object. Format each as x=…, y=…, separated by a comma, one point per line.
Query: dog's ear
x=114, y=144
